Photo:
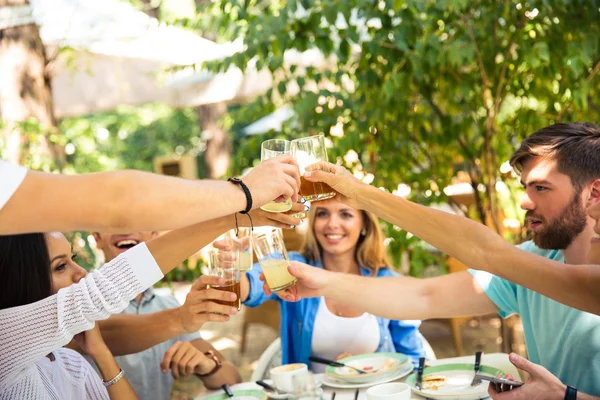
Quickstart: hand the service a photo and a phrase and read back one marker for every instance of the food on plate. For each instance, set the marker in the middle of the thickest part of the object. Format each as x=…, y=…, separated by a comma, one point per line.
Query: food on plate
x=433, y=382
x=387, y=364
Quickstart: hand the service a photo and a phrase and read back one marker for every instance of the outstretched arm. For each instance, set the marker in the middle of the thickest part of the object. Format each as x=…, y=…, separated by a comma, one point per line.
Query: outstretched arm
x=127, y=201
x=472, y=243
x=399, y=298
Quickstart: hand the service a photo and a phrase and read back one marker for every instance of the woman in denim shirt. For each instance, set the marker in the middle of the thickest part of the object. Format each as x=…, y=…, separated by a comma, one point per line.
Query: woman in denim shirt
x=341, y=239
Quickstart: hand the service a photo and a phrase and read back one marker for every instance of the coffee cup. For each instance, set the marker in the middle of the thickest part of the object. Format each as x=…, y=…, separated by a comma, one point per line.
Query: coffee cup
x=283, y=376
x=389, y=391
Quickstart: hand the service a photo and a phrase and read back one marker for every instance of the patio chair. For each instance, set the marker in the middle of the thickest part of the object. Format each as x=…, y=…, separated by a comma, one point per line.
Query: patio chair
x=270, y=358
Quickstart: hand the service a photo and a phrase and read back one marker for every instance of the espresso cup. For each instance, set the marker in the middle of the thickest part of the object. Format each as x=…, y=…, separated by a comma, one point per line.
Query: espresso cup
x=283, y=376
x=389, y=391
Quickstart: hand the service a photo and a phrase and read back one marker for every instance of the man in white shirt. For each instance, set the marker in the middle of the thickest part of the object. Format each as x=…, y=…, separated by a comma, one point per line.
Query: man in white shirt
x=125, y=201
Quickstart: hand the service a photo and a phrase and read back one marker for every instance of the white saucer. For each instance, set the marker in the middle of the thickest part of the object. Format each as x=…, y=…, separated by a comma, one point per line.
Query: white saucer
x=334, y=383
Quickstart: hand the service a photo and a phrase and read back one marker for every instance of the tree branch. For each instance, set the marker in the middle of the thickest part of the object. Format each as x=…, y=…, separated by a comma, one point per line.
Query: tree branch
x=588, y=79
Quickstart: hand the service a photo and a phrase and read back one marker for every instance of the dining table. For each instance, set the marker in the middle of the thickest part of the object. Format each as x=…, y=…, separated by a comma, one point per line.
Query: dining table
x=496, y=360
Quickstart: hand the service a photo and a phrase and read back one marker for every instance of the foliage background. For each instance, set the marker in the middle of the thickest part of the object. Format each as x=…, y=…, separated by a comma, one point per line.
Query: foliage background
x=427, y=94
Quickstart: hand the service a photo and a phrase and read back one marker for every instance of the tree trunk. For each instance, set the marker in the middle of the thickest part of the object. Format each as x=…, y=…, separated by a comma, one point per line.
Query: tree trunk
x=25, y=92
x=218, y=145
x=153, y=11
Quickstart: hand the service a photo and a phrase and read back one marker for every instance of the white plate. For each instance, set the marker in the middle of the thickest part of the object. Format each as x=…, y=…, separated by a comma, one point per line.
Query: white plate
x=335, y=383
x=458, y=382
x=384, y=365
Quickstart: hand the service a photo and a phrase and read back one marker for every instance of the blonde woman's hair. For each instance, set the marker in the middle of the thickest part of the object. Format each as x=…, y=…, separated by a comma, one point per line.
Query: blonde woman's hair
x=370, y=251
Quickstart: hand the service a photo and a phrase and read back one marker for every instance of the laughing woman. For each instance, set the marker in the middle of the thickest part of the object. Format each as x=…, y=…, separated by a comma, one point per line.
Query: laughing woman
x=341, y=239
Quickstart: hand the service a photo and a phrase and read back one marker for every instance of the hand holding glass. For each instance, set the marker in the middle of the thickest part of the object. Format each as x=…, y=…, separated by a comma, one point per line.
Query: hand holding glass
x=308, y=151
x=270, y=149
x=274, y=261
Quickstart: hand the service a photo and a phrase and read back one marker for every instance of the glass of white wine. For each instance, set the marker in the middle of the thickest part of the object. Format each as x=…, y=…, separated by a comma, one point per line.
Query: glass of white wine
x=269, y=149
x=273, y=258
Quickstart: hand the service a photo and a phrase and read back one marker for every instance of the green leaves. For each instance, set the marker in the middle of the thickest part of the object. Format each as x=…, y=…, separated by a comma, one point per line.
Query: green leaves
x=451, y=86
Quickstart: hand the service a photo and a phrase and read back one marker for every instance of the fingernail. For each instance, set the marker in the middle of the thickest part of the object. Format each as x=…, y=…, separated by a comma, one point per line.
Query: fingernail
x=233, y=311
x=232, y=296
x=307, y=174
x=164, y=371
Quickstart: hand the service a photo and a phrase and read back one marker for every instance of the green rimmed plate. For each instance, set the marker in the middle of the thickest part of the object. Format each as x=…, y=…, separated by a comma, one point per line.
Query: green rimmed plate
x=385, y=365
x=239, y=395
x=458, y=382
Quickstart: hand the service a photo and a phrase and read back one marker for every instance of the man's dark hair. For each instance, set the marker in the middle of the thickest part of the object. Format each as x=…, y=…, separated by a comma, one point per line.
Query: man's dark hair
x=24, y=269
x=575, y=146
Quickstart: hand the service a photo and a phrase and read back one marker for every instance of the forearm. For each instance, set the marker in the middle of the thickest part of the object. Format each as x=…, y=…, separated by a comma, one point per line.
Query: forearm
x=126, y=334
x=468, y=241
x=108, y=370
x=227, y=374
x=585, y=396
x=407, y=298
x=244, y=287
x=158, y=202
x=479, y=247
x=172, y=248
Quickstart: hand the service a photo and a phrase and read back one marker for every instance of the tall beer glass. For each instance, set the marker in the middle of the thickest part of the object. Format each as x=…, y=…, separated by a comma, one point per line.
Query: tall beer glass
x=308, y=151
x=273, y=258
x=269, y=149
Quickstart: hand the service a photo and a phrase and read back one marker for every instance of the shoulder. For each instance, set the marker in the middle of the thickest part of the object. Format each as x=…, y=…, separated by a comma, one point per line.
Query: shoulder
x=530, y=247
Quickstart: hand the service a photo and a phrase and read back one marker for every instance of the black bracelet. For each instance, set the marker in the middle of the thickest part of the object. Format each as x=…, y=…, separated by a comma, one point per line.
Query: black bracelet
x=571, y=393
x=238, y=181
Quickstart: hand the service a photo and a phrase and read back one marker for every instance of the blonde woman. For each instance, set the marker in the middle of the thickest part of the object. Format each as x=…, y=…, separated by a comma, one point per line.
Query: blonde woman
x=341, y=239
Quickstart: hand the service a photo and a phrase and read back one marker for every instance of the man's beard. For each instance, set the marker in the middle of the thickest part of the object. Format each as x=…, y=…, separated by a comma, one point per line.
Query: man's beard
x=559, y=233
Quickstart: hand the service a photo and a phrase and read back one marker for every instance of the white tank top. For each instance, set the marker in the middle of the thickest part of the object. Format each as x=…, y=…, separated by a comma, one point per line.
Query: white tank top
x=333, y=335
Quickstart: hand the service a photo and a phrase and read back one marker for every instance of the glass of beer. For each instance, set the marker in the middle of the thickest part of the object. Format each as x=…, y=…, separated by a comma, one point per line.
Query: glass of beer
x=269, y=149
x=224, y=265
x=273, y=258
x=242, y=243
x=308, y=151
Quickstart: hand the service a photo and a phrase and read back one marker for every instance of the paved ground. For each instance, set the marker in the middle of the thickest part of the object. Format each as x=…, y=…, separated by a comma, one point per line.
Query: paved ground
x=478, y=334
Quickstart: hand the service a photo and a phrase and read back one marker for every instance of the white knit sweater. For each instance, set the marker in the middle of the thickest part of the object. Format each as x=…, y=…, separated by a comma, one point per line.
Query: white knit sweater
x=28, y=333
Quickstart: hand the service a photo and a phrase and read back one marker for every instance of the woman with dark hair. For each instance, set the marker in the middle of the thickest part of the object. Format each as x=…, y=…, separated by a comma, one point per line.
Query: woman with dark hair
x=46, y=299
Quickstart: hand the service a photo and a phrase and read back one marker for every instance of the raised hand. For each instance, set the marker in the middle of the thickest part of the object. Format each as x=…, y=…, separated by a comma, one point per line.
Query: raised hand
x=340, y=179
x=183, y=358
x=275, y=179
x=542, y=385
x=200, y=306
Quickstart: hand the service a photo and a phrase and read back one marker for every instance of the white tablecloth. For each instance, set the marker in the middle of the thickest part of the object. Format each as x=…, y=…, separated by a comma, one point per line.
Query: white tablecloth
x=497, y=360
